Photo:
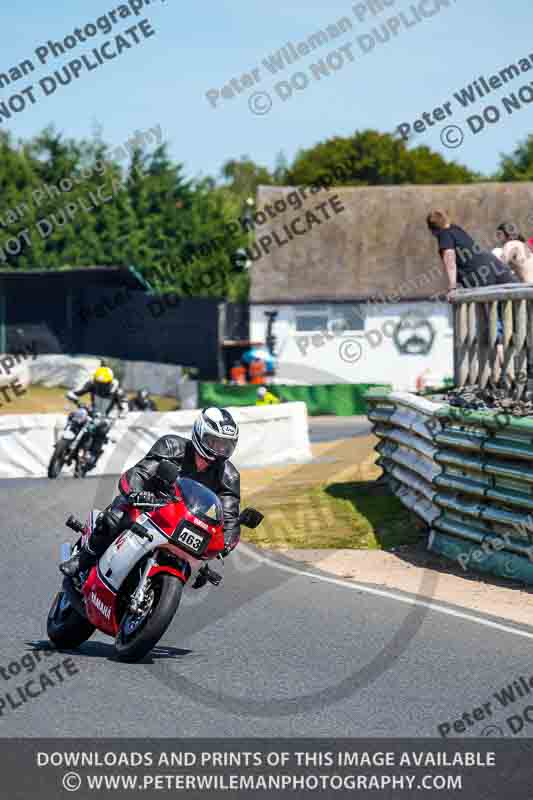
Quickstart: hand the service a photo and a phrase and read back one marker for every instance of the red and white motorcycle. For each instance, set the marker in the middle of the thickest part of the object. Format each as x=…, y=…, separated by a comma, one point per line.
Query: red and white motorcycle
x=135, y=589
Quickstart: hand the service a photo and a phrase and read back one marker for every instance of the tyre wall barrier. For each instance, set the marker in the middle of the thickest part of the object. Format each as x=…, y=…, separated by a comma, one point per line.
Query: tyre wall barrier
x=269, y=435
x=467, y=474
x=406, y=450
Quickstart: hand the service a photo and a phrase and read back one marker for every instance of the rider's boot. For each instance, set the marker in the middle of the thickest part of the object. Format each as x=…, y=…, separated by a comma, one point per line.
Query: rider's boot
x=90, y=553
x=206, y=575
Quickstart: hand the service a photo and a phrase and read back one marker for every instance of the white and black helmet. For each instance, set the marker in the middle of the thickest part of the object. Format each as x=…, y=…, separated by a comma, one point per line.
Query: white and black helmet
x=215, y=434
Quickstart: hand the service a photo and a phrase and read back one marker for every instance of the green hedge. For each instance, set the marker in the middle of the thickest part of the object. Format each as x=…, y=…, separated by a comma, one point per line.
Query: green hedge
x=341, y=399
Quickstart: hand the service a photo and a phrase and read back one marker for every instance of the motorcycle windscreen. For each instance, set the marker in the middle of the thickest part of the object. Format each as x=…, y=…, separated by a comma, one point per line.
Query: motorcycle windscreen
x=201, y=501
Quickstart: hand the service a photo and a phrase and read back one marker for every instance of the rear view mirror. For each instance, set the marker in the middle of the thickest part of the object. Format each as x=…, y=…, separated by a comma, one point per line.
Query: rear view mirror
x=251, y=518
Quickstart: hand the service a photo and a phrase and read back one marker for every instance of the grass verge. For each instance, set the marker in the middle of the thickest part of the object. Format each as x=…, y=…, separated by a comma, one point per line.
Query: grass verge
x=51, y=400
x=342, y=515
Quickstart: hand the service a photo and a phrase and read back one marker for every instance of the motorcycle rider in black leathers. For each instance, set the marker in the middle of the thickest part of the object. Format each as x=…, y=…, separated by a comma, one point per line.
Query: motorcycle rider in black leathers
x=142, y=401
x=203, y=458
x=106, y=395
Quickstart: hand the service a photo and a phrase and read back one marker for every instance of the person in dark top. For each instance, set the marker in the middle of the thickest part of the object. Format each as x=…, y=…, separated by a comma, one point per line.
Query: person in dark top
x=142, y=401
x=465, y=262
x=204, y=458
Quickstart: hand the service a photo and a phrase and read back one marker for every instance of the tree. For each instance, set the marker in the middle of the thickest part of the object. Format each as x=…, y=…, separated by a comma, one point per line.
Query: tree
x=370, y=158
x=80, y=207
x=281, y=169
x=244, y=176
x=429, y=167
x=518, y=166
x=161, y=200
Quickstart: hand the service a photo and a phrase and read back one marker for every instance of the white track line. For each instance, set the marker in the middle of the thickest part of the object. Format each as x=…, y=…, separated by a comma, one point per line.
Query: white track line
x=412, y=601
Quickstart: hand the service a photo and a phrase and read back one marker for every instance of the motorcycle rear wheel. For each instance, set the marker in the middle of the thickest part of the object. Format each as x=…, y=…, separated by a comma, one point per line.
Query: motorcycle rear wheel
x=58, y=459
x=133, y=642
x=65, y=627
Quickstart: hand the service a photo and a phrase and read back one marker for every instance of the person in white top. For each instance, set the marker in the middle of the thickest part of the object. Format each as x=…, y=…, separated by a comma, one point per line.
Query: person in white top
x=515, y=252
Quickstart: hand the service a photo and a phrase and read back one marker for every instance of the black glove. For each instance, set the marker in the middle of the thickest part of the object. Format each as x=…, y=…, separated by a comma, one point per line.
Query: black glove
x=144, y=498
x=227, y=550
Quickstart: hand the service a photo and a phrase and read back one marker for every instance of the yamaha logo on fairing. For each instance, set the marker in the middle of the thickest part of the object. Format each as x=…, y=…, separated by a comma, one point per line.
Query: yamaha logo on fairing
x=200, y=523
x=102, y=608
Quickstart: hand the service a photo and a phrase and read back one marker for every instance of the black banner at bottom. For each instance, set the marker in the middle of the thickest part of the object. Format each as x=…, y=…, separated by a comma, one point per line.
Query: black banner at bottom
x=260, y=768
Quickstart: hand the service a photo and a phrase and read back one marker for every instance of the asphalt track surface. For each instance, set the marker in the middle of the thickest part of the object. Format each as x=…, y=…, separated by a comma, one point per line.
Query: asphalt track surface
x=329, y=429
x=277, y=650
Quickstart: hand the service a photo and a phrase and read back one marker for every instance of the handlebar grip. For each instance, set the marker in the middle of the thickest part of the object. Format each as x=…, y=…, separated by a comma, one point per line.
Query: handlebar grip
x=74, y=524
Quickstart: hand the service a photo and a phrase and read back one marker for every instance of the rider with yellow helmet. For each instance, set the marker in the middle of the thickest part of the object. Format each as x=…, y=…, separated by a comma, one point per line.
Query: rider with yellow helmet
x=106, y=395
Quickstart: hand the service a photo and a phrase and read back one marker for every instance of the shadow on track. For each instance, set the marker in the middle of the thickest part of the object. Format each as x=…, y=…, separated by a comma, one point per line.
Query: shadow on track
x=107, y=650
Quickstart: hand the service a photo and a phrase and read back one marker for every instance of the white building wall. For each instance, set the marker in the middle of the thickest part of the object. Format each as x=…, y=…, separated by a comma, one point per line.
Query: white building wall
x=365, y=355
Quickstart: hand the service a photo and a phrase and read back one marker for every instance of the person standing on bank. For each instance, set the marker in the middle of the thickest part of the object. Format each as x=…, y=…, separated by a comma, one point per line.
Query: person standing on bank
x=465, y=262
x=515, y=251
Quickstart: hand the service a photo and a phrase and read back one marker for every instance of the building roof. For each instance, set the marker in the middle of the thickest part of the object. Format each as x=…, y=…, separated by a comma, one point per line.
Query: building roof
x=378, y=245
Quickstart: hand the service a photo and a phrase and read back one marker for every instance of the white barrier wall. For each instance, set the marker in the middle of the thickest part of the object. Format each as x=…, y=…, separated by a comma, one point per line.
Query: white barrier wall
x=73, y=371
x=59, y=370
x=268, y=435
x=160, y=379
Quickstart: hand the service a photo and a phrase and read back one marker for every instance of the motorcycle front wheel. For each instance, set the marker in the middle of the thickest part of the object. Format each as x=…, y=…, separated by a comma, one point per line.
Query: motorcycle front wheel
x=65, y=627
x=80, y=467
x=58, y=458
x=139, y=633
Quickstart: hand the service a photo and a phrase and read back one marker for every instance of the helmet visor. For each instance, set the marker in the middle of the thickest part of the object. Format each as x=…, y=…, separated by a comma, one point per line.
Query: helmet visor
x=221, y=447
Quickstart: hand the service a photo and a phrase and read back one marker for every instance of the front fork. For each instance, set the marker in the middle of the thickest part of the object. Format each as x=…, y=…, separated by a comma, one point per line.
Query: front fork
x=137, y=598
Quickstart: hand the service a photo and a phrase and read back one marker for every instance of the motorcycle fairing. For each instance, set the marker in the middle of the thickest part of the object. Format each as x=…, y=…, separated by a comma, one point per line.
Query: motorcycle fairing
x=100, y=603
x=126, y=551
x=172, y=524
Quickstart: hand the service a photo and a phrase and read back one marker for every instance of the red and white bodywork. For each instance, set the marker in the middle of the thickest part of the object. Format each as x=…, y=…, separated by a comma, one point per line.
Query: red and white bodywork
x=185, y=538
x=133, y=592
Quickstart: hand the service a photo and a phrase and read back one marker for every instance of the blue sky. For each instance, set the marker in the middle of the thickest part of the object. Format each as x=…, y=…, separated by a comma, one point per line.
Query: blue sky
x=199, y=48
